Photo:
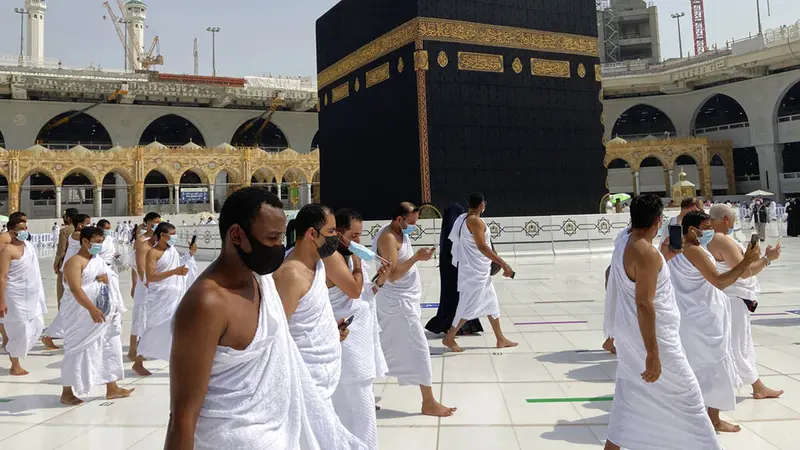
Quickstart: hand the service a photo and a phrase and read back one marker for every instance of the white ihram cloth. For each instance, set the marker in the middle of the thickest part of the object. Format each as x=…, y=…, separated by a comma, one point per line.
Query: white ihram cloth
x=362, y=360
x=313, y=328
x=92, y=351
x=611, y=300
x=26, y=303
x=160, y=303
x=109, y=250
x=139, y=293
x=668, y=414
x=477, y=297
x=706, y=333
x=56, y=328
x=402, y=336
x=73, y=247
x=263, y=397
x=744, y=352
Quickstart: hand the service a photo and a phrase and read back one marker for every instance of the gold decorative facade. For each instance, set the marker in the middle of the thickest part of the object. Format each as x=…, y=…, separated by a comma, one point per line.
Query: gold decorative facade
x=377, y=75
x=667, y=151
x=480, y=62
x=134, y=164
x=549, y=68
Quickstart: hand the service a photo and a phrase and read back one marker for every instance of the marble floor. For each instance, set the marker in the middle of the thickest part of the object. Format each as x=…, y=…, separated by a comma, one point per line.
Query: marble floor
x=535, y=396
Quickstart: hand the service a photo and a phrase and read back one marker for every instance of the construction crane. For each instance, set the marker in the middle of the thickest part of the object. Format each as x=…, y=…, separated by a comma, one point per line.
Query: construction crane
x=699, y=26
x=116, y=21
x=265, y=117
x=149, y=60
x=133, y=51
x=123, y=90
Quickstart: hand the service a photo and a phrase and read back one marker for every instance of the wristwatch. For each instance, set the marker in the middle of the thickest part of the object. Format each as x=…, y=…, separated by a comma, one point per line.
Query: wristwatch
x=766, y=260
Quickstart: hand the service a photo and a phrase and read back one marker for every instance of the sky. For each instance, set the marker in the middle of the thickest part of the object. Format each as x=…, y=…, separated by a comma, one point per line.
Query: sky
x=267, y=36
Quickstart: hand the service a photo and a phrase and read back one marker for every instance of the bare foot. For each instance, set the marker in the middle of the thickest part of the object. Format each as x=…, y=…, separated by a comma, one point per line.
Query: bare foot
x=608, y=346
x=727, y=427
x=69, y=399
x=17, y=371
x=111, y=394
x=437, y=409
x=505, y=343
x=765, y=392
x=131, y=357
x=452, y=345
x=140, y=370
x=49, y=344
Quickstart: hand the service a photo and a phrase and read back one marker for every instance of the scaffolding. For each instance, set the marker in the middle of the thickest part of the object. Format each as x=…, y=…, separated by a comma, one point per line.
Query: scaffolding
x=610, y=24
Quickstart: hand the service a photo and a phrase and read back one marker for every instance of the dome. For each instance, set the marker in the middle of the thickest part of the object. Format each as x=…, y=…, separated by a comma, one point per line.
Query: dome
x=36, y=149
x=649, y=137
x=79, y=149
x=225, y=146
x=618, y=140
x=191, y=146
x=155, y=145
x=115, y=149
x=136, y=2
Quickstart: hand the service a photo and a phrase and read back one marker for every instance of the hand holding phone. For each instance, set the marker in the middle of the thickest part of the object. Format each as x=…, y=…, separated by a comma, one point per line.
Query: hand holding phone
x=194, y=240
x=675, y=237
x=754, y=240
x=346, y=323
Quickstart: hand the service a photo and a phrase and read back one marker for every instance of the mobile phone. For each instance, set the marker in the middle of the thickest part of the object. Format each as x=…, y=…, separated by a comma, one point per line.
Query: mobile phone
x=347, y=322
x=513, y=274
x=675, y=237
x=754, y=240
x=194, y=240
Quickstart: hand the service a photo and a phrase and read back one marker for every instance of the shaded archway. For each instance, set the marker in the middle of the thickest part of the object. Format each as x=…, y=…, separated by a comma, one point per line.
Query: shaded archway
x=620, y=177
x=3, y=195
x=299, y=189
x=315, y=191
x=225, y=183
x=314, y=141
x=653, y=178
x=642, y=120
x=38, y=196
x=157, y=192
x=719, y=177
x=790, y=103
x=193, y=193
x=65, y=131
x=791, y=157
x=2, y=140
x=173, y=131
x=719, y=110
x=116, y=195
x=619, y=164
x=265, y=178
x=745, y=162
x=77, y=191
x=260, y=133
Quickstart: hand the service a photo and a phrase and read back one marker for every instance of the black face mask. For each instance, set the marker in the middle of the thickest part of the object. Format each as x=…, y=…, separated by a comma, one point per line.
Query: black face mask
x=262, y=259
x=329, y=247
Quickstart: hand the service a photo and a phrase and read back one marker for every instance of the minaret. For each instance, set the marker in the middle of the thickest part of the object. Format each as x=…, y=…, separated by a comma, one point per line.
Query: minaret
x=36, y=9
x=136, y=11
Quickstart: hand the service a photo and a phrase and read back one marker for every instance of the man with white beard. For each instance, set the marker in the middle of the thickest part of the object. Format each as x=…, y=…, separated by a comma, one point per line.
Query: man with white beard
x=473, y=255
x=22, y=300
x=168, y=277
x=403, y=339
x=706, y=316
x=351, y=295
x=743, y=295
x=657, y=404
x=92, y=309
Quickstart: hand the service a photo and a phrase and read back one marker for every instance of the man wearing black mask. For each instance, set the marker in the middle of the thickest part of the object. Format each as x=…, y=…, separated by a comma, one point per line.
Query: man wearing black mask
x=301, y=283
x=237, y=378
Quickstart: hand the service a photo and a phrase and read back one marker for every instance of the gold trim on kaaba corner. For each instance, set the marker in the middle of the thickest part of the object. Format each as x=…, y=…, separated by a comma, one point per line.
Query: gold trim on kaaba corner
x=340, y=92
x=480, y=62
x=517, y=65
x=581, y=70
x=421, y=60
x=598, y=76
x=550, y=68
x=378, y=75
x=401, y=65
x=357, y=85
x=442, y=59
x=422, y=119
x=440, y=30
x=326, y=100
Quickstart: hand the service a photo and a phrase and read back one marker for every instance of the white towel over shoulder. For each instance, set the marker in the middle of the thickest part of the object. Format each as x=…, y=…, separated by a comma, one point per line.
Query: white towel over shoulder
x=26, y=304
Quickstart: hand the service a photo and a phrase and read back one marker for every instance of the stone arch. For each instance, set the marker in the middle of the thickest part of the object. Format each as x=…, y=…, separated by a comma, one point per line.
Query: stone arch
x=260, y=132
x=263, y=175
x=293, y=174
x=124, y=173
x=683, y=159
x=718, y=110
x=788, y=103
x=618, y=163
x=159, y=181
x=315, y=187
x=746, y=162
x=643, y=119
x=315, y=141
x=200, y=173
x=233, y=176
x=172, y=130
x=63, y=132
x=82, y=171
x=37, y=199
x=649, y=158
x=120, y=195
x=40, y=170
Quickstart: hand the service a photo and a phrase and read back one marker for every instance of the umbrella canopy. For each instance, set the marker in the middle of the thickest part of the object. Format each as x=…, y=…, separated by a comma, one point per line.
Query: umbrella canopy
x=3, y=218
x=620, y=197
x=760, y=193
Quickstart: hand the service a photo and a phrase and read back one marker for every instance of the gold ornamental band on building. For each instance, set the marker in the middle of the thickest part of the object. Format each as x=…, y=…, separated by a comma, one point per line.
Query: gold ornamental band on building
x=134, y=164
x=667, y=152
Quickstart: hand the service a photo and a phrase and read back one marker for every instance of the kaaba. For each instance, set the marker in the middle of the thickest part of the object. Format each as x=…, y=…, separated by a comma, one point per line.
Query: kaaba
x=430, y=100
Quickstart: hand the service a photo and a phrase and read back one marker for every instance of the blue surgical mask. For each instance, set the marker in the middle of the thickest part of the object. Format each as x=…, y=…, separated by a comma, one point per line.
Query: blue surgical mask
x=706, y=238
x=155, y=225
x=361, y=251
x=409, y=229
x=731, y=231
x=23, y=235
x=108, y=232
x=95, y=249
x=172, y=240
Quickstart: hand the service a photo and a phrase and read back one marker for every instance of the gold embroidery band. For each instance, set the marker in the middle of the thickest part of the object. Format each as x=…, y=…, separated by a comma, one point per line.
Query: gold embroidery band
x=378, y=75
x=340, y=92
x=441, y=30
x=549, y=68
x=480, y=62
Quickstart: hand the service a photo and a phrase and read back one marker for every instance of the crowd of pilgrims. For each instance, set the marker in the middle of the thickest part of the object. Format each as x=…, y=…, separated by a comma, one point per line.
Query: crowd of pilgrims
x=277, y=343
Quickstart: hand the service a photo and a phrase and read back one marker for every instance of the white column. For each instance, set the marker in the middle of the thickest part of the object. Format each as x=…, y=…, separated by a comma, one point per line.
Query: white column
x=280, y=194
x=671, y=181
x=58, y=201
x=120, y=196
x=211, y=198
x=310, y=197
x=770, y=164
x=177, y=197
x=98, y=203
x=637, y=188
x=171, y=198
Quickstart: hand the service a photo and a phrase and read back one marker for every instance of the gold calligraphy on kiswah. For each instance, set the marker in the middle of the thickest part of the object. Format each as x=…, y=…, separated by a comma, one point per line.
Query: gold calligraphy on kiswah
x=480, y=62
x=378, y=75
x=549, y=68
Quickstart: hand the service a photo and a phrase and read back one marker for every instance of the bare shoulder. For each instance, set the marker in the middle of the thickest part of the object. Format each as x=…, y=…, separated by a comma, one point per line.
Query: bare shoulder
x=73, y=262
x=645, y=254
x=475, y=223
x=204, y=301
x=288, y=272
x=335, y=260
x=5, y=238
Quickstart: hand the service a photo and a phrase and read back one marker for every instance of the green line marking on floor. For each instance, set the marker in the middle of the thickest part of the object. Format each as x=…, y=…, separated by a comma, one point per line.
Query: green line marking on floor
x=570, y=400
x=6, y=400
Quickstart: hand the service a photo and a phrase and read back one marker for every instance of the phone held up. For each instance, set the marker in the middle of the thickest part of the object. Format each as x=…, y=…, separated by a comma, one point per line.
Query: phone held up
x=194, y=240
x=675, y=237
x=347, y=322
x=754, y=240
